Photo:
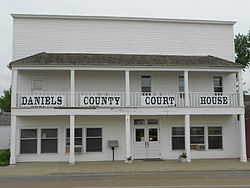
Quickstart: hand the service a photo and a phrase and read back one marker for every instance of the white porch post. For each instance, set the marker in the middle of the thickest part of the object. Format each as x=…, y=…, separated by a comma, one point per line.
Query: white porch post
x=72, y=140
x=187, y=137
x=127, y=87
x=186, y=88
x=13, y=141
x=243, y=155
x=240, y=89
x=72, y=88
x=14, y=88
x=128, y=139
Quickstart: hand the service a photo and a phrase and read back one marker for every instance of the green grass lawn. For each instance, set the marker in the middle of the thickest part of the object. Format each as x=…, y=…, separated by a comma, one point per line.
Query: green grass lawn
x=4, y=157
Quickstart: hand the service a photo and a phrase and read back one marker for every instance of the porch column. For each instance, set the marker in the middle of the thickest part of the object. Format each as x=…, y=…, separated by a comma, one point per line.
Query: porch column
x=243, y=155
x=240, y=89
x=13, y=141
x=128, y=139
x=14, y=88
x=72, y=88
x=72, y=140
x=187, y=137
x=186, y=88
x=127, y=87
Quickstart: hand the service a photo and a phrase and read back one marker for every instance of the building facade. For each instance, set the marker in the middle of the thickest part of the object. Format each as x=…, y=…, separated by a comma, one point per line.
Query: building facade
x=153, y=87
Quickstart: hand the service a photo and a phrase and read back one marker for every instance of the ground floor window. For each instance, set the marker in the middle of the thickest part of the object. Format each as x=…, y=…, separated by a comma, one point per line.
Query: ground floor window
x=197, y=138
x=78, y=140
x=28, y=142
x=93, y=139
x=214, y=138
x=49, y=141
x=178, y=138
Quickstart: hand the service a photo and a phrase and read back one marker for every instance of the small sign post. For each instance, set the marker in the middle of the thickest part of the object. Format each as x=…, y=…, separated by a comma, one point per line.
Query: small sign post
x=113, y=144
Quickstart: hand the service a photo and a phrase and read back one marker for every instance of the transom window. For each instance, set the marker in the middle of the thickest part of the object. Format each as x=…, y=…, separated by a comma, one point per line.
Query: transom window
x=28, y=142
x=49, y=141
x=146, y=83
x=217, y=81
x=94, y=139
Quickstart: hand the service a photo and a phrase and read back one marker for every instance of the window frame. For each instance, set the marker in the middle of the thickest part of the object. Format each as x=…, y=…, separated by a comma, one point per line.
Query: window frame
x=198, y=135
x=221, y=135
x=177, y=136
x=38, y=77
x=20, y=140
x=86, y=137
x=141, y=86
x=215, y=77
x=49, y=138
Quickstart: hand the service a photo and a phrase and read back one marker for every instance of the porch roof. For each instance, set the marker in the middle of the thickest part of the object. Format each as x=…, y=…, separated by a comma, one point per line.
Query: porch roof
x=122, y=60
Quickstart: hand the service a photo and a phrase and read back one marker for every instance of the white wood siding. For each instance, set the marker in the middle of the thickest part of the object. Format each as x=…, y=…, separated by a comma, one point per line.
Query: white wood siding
x=112, y=81
x=114, y=129
x=35, y=35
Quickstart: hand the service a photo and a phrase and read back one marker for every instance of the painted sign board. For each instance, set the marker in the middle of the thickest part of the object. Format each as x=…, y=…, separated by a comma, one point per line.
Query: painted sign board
x=216, y=100
x=100, y=101
x=158, y=101
x=42, y=100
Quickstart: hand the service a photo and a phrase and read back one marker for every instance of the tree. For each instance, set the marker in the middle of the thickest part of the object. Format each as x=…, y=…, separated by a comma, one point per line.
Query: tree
x=242, y=49
x=5, y=101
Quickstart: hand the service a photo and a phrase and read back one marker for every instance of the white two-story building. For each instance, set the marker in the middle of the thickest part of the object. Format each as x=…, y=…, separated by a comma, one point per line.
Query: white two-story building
x=155, y=87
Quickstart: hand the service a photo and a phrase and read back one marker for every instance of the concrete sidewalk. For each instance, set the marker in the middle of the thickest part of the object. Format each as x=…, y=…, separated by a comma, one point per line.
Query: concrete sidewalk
x=119, y=167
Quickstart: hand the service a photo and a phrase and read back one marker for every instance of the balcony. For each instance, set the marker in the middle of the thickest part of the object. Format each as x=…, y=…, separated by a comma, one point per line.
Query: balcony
x=123, y=99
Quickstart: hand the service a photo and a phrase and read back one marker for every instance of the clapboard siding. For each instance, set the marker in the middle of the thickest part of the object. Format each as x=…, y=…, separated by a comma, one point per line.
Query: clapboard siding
x=114, y=81
x=34, y=35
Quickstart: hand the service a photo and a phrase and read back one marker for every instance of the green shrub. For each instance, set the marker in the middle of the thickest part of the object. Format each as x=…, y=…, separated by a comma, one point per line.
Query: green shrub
x=4, y=157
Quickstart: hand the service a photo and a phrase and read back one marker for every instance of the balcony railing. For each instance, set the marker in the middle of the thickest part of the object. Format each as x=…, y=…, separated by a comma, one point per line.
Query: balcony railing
x=118, y=99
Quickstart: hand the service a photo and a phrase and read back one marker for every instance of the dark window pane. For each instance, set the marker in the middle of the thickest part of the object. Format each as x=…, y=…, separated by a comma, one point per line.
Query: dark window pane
x=78, y=141
x=215, y=142
x=146, y=89
x=78, y=132
x=94, y=132
x=214, y=131
x=218, y=89
x=28, y=133
x=146, y=80
x=139, y=121
x=217, y=81
x=178, y=143
x=67, y=141
x=178, y=131
x=49, y=133
x=139, y=134
x=93, y=144
x=197, y=131
x=153, y=121
x=49, y=146
x=28, y=146
x=153, y=134
x=197, y=140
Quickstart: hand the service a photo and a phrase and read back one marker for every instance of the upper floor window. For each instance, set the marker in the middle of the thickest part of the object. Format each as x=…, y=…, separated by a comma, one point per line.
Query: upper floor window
x=181, y=83
x=217, y=81
x=146, y=84
x=38, y=83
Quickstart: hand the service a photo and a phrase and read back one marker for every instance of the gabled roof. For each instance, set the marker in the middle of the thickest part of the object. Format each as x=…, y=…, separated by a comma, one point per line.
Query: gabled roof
x=122, y=60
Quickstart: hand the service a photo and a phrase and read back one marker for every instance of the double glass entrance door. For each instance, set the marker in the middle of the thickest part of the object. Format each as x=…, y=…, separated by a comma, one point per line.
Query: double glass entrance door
x=146, y=140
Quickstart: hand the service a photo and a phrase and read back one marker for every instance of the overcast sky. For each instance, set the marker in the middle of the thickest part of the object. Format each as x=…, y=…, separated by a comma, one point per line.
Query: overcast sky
x=236, y=10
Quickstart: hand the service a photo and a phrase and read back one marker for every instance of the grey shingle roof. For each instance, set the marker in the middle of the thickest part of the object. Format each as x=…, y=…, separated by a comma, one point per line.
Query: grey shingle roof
x=122, y=60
